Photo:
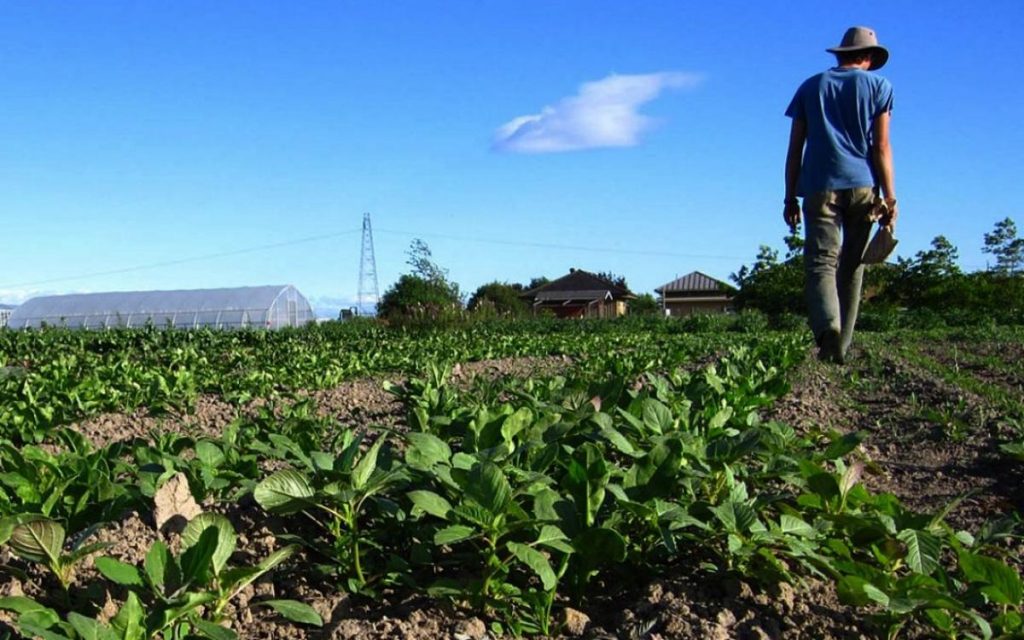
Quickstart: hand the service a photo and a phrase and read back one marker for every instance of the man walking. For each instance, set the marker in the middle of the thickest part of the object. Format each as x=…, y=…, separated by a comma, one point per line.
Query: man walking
x=839, y=157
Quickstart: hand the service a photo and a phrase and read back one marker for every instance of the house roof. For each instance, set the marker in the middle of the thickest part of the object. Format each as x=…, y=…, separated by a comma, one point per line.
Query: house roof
x=578, y=285
x=695, y=282
x=593, y=294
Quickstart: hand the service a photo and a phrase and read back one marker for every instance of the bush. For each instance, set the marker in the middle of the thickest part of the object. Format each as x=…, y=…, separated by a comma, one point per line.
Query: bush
x=788, y=322
x=703, y=323
x=750, y=321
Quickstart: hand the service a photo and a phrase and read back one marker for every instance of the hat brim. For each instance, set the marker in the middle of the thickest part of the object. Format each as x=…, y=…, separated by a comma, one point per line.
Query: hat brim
x=878, y=60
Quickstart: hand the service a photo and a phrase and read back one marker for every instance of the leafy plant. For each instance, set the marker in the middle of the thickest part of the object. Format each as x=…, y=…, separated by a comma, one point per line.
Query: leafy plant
x=341, y=487
x=39, y=539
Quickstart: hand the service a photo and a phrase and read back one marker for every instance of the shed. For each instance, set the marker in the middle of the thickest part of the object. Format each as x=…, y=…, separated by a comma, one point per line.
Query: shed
x=580, y=294
x=270, y=307
x=695, y=292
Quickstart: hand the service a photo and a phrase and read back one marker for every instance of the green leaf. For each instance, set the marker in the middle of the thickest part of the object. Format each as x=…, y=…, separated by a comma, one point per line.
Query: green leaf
x=552, y=536
x=536, y=561
x=843, y=445
x=157, y=560
x=240, y=577
x=129, y=621
x=452, y=534
x=614, y=436
x=721, y=418
x=736, y=516
x=197, y=560
x=45, y=617
x=120, y=572
x=587, y=477
x=1003, y=582
x=431, y=503
x=183, y=606
x=794, y=525
x=876, y=594
x=656, y=416
x=38, y=540
x=1009, y=621
x=90, y=629
x=856, y=591
x=426, y=450
x=277, y=557
x=923, y=550
x=850, y=477
x=285, y=491
x=322, y=461
x=488, y=487
x=294, y=611
x=515, y=423
x=599, y=546
x=367, y=465
x=27, y=626
x=209, y=454
x=212, y=630
x=824, y=484
x=226, y=538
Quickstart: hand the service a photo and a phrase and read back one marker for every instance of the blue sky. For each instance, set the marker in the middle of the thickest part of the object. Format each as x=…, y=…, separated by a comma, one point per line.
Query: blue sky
x=518, y=139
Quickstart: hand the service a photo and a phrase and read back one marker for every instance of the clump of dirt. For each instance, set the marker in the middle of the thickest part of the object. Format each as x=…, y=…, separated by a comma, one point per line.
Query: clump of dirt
x=208, y=418
x=360, y=403
x=684, y=607
x=511, y=368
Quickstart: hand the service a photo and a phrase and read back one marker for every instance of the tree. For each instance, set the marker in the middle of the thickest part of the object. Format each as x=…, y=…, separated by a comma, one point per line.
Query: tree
x=502, y=297
x=1007, y=248
x=426, y=289
x=766, y=259
x=927, y=279
x=939, y=261
x=539, y=281
x=644, y=305
x=617, y=280
x=422, y=262
x=772, y=286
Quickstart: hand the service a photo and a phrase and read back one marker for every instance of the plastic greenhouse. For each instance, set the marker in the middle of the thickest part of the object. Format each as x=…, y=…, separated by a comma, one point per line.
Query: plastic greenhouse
x=270, y=307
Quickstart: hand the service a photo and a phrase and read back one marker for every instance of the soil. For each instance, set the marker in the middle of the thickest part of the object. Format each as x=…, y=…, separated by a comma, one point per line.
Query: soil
x=924, y=461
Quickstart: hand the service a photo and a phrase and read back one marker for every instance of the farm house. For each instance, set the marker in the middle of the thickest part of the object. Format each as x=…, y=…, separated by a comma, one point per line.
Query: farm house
x=579, y=294
x=695, y=292
x=270, y=307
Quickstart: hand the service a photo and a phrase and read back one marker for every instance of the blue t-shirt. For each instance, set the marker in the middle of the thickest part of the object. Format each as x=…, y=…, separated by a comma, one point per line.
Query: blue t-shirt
x=839, y=107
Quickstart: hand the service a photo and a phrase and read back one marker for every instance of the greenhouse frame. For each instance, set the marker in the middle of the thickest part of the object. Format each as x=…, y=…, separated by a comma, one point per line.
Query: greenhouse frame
x=268, y=307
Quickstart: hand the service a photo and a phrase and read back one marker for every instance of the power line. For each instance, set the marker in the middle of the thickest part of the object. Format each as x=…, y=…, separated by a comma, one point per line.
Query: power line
x=171, y=263
x=288, y=243
x=566, y=247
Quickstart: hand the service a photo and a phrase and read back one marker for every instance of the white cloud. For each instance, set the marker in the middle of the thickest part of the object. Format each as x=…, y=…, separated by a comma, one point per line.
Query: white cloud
x=603, y=114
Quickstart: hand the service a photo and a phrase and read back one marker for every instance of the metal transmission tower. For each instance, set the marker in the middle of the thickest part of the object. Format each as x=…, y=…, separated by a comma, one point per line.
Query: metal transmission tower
x=369, y=294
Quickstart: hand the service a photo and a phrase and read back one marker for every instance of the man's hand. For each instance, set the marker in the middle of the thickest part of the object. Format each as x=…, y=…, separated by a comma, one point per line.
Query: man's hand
x=791, y=214
x=888, y=219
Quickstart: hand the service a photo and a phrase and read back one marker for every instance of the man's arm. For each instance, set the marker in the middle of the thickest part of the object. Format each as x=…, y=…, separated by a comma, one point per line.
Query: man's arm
x=794, y=157
x=881, y=155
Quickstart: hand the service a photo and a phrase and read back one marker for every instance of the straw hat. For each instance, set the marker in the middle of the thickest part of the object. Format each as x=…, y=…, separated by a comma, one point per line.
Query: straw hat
x=859, y=39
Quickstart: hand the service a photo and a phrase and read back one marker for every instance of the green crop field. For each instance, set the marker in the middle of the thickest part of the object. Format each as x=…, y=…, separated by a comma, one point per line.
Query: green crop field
x=643, y=479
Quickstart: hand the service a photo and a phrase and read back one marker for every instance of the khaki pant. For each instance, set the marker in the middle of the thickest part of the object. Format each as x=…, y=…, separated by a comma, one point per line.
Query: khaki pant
x=838, y=226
